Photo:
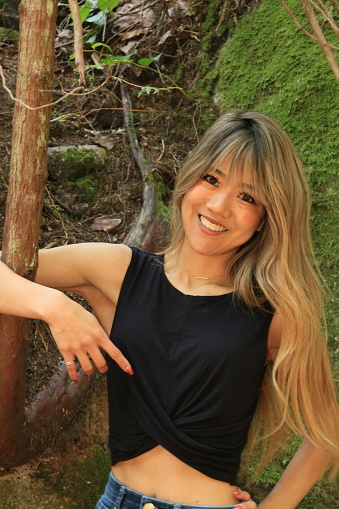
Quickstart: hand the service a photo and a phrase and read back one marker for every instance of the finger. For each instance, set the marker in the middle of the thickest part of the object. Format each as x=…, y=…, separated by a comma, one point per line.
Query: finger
x=85, y=363
x=99, y=361
x=246, y=505
x=245, y=498
x=117, y=356
x=72, y=370
x=242, y=495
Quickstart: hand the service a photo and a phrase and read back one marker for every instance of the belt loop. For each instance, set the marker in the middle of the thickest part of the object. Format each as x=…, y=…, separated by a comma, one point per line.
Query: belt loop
x=122, y=492
x=142, y=503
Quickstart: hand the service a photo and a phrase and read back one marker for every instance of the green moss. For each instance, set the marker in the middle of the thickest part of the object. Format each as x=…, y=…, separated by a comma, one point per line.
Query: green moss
x=85, y=480
x=163, y=194
x=89, y=187
x=212, y=32
x=76, y=162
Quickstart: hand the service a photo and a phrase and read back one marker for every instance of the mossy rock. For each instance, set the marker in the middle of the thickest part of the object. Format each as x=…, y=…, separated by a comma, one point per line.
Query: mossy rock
x=88, y=186
x=71, y=163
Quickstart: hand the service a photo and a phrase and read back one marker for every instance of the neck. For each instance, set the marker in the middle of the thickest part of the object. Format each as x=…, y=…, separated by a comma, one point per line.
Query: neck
x=196, y=270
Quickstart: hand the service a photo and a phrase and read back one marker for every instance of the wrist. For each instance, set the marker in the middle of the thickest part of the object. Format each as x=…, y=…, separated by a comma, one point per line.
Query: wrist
x=50, y=304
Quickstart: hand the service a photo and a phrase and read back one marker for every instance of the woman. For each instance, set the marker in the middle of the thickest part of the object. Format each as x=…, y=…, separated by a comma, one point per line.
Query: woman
x=229, y=314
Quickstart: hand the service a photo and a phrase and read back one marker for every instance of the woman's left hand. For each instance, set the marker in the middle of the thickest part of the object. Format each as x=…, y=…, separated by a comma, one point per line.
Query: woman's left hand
x=246, y=502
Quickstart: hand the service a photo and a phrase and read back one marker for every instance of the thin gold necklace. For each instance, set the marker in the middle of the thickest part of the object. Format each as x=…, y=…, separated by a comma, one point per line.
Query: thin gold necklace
x=202, y=277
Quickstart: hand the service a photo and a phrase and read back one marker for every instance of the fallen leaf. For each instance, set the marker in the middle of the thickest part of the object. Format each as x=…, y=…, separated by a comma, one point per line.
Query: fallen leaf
x=106, y=225
x=105, y=141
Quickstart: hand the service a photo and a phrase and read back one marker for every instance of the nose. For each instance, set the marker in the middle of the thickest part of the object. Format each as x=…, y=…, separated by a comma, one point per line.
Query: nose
x=220, y=203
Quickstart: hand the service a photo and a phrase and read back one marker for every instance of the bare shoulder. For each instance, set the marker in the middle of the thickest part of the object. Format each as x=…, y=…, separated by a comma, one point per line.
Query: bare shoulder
x=98, y=265
x=274, y=337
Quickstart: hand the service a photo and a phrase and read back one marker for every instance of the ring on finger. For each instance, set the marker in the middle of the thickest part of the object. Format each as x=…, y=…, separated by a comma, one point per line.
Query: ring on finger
x=68, y=363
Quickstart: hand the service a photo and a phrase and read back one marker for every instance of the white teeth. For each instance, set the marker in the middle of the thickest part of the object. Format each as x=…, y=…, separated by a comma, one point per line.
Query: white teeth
x=212, y=226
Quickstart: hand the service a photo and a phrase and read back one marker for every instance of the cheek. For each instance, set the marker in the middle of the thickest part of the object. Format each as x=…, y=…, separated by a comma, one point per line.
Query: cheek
x=259, y=219
x=192, y=197
x=194, y=192
x=254, y=220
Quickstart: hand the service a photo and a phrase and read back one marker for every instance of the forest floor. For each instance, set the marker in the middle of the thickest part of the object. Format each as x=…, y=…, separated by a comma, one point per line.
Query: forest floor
x=72, y=472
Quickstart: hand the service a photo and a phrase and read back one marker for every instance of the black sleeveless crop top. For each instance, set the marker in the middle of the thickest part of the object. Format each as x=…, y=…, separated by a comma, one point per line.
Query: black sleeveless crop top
x=198, y=364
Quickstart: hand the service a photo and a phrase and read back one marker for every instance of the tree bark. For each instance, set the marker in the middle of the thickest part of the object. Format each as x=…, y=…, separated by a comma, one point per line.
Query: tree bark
x=28, y=172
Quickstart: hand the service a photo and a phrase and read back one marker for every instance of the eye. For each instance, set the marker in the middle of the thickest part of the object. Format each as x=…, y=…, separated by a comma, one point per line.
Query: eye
x=211, y=179
x=248, y=198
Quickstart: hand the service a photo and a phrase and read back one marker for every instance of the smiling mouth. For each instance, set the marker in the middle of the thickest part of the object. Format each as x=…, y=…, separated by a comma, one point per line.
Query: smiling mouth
x=211, y=226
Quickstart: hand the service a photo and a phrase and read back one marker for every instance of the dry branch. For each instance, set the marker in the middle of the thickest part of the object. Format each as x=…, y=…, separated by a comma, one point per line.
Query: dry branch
x=144, y=228
x=335, y=4
x=78, y=40
x=324, y=11
x=302, y=29
x=322, y=39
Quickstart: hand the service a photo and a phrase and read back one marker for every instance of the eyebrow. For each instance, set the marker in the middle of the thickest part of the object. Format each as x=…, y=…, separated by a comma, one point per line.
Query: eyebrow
x=244, y=184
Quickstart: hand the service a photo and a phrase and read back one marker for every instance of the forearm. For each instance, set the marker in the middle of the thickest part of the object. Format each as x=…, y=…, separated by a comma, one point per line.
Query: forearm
x=306, y=467
x=21, y=297
x=76, y=331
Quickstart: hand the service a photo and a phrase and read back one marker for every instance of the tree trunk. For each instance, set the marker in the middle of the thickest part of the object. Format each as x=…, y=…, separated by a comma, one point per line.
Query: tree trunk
x=28, y=173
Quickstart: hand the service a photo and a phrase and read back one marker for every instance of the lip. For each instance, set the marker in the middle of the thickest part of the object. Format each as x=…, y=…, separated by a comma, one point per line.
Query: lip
x=213, y=221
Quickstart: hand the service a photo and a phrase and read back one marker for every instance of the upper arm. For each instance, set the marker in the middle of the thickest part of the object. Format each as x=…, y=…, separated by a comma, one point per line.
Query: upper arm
x=78, y=267
x=274, y=337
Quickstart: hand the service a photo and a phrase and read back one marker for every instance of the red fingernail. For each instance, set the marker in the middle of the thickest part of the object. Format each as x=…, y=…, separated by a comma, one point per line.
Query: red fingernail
x=75, y=380
x=237, y=492
x=129, y=370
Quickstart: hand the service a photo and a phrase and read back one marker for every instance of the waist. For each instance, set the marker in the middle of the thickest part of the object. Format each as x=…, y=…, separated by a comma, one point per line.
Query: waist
x=160, y=475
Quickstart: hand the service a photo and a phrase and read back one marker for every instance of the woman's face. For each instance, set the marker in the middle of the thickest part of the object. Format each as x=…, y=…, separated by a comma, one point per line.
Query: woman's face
x=221, y=213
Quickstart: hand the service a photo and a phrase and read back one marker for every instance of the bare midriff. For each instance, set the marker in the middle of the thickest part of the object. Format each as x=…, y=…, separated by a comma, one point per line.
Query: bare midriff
x=159, y=474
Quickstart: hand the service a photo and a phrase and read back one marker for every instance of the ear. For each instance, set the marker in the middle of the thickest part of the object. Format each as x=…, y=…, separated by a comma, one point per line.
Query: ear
x=261, y=225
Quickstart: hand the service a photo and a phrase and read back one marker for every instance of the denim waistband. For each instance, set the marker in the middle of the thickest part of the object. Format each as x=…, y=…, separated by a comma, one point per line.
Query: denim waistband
x=118, y=496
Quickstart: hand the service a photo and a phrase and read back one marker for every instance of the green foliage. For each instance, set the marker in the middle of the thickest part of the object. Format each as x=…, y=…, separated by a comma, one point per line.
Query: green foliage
x=94, y=13
x=8, y=34
x=111, y=60
x=52, y=208
x=154, y=90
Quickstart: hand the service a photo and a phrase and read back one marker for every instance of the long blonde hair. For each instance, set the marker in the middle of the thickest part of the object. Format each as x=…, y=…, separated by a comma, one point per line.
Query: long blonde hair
x=297, y=391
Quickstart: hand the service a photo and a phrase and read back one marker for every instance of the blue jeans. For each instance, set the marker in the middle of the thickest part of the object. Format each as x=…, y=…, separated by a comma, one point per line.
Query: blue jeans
x=118, y=496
